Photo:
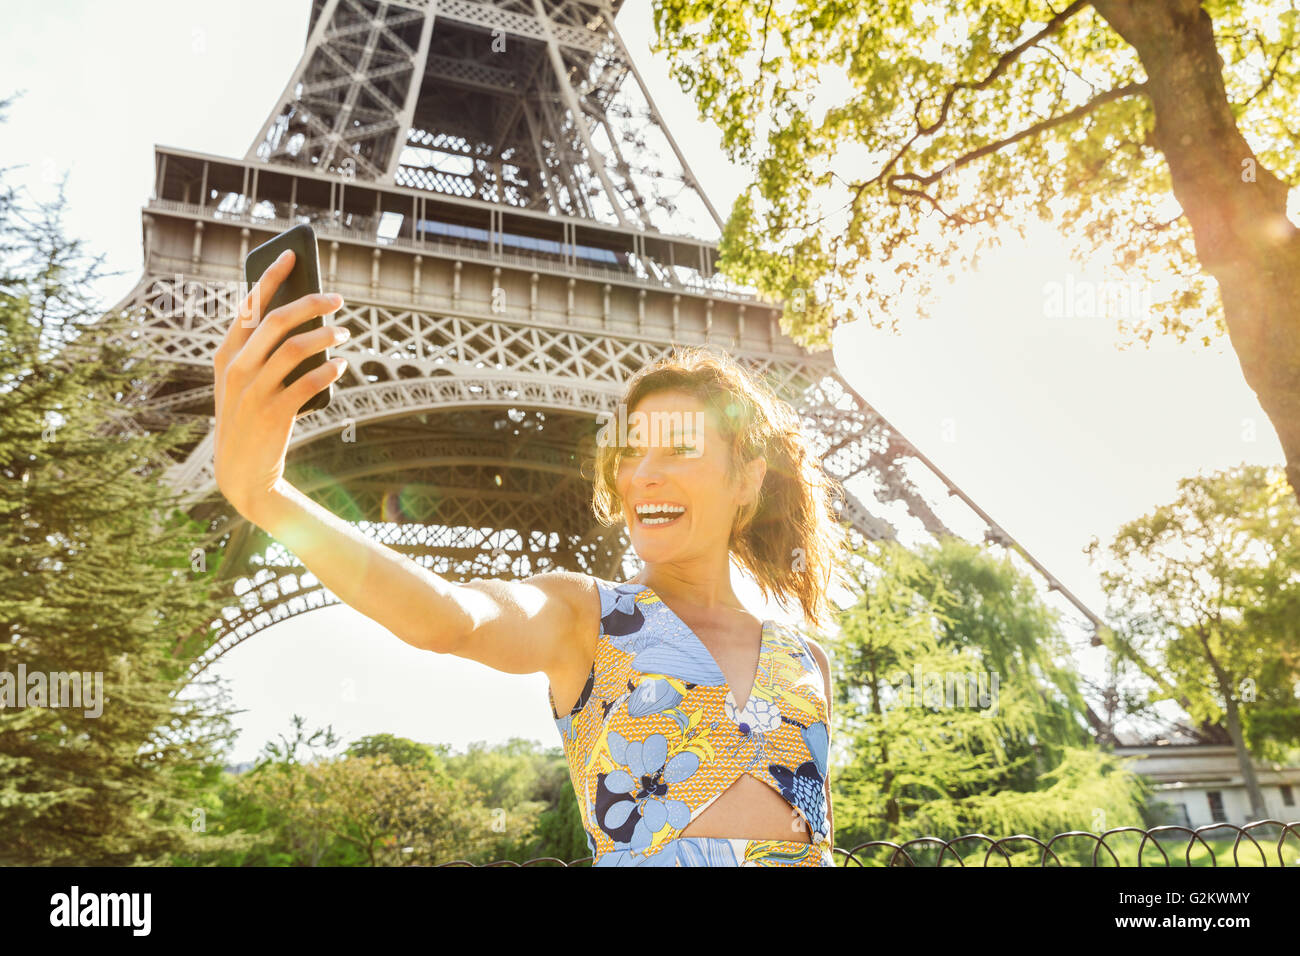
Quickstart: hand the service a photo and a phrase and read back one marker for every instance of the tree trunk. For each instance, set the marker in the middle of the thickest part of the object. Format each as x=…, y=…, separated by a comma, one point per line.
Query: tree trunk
x=1257, y=809
x=1236, y=207
x=1227, y=687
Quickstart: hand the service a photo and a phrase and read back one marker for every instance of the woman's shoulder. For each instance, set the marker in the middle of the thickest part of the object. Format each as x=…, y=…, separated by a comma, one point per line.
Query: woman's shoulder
x=576, y=588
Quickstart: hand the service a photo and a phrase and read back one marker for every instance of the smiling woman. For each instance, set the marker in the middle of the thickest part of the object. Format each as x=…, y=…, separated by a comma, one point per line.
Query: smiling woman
x=670, y=767
x=784, y=532
x=647, y=677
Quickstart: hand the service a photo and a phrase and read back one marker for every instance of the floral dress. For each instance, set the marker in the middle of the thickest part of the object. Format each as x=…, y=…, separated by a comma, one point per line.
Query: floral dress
x=656, y=736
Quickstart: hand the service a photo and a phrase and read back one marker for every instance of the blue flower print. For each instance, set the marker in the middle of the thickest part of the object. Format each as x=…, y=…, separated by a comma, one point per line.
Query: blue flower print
x=817, y=738
x=708, y=852
x=630, y=803
x=666, y=855
x=805, y=789
x=809, y=665
x=653, y=696
x=627, y=814
x=619, y=613
x=680, y=655
x=668, y=648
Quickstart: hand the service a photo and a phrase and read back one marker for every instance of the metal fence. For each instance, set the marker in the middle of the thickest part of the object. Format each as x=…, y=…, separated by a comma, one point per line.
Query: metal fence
x=1154, y=845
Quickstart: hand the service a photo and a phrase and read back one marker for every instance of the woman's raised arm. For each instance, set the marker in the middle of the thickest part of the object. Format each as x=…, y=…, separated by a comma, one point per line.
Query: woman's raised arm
x=517, y=627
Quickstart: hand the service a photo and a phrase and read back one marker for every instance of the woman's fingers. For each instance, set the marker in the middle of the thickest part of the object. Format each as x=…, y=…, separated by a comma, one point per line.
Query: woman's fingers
x=293, y=397
x=290, y=354
x=249, y=314
x=247, y=317
x=281, y=322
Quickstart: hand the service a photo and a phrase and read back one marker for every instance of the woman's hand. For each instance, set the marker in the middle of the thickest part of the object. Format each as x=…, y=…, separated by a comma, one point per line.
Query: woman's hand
x=255, y=411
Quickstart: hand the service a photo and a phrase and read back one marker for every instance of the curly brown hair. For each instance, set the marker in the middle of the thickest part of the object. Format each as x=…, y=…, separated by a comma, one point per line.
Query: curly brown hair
x=789, y=540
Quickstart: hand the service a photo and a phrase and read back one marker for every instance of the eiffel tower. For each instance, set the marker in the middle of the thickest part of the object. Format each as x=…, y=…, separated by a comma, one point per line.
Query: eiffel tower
x=515, y=232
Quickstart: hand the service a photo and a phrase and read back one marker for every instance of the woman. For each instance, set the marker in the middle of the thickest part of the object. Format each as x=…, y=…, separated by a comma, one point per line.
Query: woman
x=703, y=464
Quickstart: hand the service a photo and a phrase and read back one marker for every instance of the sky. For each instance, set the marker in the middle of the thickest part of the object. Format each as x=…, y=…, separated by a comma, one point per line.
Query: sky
x=1052, y=428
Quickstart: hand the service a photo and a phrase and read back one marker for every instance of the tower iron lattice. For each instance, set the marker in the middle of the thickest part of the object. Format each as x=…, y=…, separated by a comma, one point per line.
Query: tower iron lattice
x=515, y=232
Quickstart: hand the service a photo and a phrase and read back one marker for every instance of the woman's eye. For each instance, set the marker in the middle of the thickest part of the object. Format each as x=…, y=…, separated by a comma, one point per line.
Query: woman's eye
x=628, y=451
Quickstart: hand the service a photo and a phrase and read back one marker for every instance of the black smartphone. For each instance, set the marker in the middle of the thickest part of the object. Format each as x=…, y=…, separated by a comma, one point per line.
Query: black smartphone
x=303, y=279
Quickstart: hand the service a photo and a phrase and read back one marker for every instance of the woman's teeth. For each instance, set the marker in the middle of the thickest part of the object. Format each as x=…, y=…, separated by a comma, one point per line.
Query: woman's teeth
x=660, y=520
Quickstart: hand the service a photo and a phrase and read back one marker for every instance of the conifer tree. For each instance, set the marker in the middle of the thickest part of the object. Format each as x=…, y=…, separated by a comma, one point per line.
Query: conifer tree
x=95, y=576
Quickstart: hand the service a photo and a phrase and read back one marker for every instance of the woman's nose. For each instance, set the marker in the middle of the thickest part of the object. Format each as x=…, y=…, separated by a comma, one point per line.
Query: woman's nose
x=646, y=476
x=648, y=470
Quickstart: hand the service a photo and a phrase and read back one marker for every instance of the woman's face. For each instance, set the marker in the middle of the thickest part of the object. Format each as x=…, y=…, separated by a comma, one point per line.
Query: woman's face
x=678, y=458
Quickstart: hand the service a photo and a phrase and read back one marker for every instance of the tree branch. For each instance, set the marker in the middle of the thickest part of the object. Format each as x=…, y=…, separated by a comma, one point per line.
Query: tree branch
x=1272, y=73
x=1117, y=93
x=1000, y=67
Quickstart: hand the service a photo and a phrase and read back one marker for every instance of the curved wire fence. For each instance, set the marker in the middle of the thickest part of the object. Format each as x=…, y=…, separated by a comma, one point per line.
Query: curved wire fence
x=1022, y=849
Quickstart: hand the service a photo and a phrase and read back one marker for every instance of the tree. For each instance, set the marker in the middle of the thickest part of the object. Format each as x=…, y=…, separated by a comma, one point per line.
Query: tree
x=925, y=755
x=95, y=577
x=402, y=751
x=390, y=801
x=992, y=610
x=1166, y=131
x=389, y=815
x=513, y=782
x=386, y=801
x=560, y=832
x=298, y=749
x=1203, y=593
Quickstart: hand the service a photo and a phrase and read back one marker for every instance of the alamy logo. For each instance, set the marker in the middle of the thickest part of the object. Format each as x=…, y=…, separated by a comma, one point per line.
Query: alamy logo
x=55, y=689
x=949, y=689
x=102, y=909
x=651, y=429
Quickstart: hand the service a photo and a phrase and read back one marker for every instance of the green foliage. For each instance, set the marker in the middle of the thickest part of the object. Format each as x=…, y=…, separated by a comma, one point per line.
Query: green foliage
x=924, y=759
x=390, y=801
x=1204, y=594
x=886, y=140
x=560, y=833
x=95, y=576
x=403, y=752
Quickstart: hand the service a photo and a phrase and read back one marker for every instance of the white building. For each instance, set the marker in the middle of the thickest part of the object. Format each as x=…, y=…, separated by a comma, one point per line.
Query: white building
x=1200, y=784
